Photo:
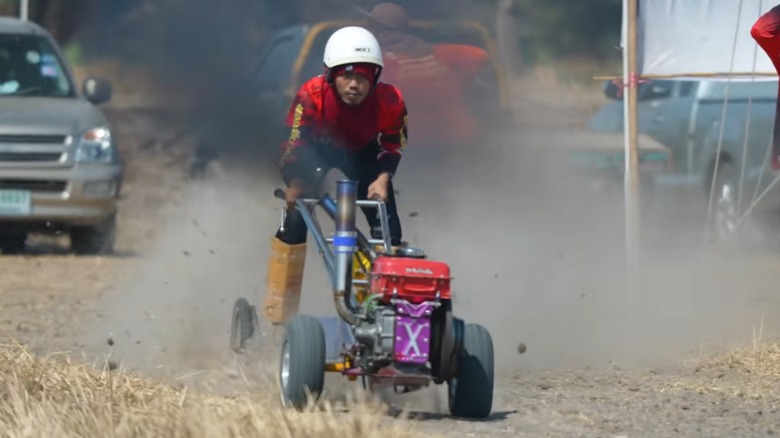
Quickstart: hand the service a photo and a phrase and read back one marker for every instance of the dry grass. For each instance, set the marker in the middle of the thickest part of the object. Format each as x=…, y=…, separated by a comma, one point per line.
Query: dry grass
x=761, y=359
x=747, y=372
x=53, y=397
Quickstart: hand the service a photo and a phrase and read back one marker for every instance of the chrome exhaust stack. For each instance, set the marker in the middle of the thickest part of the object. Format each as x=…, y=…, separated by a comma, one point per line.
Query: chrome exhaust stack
x=344, y=247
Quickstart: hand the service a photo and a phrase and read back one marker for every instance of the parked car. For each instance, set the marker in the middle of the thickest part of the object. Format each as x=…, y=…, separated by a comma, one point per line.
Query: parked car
x=60, y=169
x=692, y=118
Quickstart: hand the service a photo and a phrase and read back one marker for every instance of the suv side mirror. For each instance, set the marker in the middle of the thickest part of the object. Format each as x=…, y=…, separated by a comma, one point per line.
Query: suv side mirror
x=97, y=90
x=611, y=90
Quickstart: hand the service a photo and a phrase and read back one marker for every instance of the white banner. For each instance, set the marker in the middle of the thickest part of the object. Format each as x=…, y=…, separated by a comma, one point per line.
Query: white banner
x=700, y=37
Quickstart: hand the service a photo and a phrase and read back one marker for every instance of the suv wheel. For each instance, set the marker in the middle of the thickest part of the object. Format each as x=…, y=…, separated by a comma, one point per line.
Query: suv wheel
x=97, y=239
x=725, y=213
x=13, y=243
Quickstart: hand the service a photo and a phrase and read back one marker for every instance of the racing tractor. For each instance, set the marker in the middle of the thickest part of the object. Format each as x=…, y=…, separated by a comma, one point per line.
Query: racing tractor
x=395, y=325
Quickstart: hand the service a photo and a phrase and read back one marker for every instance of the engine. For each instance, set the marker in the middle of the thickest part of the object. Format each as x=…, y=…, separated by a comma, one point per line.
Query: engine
x=404, y=313
x=377, y=335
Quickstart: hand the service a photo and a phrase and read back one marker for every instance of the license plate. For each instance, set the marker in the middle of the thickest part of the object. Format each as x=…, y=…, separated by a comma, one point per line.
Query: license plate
x=14, y=202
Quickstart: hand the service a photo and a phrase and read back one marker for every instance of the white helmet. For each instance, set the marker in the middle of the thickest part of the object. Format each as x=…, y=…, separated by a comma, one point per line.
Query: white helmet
x=352, y=44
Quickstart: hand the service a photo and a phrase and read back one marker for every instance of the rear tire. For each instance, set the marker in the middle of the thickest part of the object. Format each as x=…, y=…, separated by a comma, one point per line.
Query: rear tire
x=471, y=391
x=444, y=344
x=94, y=240
x=302, y=362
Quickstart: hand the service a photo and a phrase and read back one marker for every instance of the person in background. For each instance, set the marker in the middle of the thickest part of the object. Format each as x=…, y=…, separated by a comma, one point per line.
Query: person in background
x=432, y=77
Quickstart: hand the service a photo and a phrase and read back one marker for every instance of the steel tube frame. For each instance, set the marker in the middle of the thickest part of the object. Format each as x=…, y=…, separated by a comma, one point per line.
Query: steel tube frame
x=346, y=241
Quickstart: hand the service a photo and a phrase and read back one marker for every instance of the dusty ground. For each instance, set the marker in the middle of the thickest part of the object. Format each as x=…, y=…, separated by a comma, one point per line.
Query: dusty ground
x=533, y=262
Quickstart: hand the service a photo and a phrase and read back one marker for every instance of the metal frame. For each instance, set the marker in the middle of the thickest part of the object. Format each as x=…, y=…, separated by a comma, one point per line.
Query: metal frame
x=306, y=206
x=412, y=322
x=337, y=251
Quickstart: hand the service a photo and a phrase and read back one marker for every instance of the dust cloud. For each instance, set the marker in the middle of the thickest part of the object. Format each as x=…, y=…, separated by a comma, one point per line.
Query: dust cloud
x=537, y=258
x=175, y=308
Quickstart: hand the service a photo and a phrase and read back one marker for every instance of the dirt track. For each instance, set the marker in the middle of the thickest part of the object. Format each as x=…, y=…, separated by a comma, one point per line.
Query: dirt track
x=532, y=263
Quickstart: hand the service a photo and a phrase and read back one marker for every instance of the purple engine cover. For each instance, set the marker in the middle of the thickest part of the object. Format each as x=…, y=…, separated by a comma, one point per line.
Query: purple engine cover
x=412, y=332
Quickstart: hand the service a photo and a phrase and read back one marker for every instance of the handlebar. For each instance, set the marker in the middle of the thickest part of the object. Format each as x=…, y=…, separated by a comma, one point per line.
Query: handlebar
x=279, y=193
x=305, y=207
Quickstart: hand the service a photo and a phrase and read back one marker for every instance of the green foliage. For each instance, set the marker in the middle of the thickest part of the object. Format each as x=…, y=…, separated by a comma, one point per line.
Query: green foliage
x=554, y=29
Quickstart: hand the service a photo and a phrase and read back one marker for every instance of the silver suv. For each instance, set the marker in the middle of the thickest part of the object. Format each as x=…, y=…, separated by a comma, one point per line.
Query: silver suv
x=59, y=166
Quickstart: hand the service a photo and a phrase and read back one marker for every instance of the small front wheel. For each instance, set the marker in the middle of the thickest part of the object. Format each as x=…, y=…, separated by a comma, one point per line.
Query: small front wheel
x=471, y=391
x=302, y=365
x=242, y=325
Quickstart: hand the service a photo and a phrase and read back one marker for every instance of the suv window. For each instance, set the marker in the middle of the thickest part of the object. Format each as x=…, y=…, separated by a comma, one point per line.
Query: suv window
x=275, y=68
x=685, y=88
x=656, y=89
x=30, y=66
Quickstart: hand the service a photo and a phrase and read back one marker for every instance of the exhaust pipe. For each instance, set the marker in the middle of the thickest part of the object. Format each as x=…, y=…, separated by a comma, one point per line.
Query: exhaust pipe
x=344, y=247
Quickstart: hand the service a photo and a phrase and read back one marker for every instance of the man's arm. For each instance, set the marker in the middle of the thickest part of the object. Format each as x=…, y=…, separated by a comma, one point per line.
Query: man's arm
x=766, y=31
x=291, y=165
x=394, y=137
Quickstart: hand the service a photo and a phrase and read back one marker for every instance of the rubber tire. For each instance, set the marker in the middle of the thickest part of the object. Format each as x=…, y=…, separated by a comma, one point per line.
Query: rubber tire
x=750, y=235
x=443, y=345
x=94, y=240
x=306, y=340
x=13, y=243
x=472, y=395
x=242, y=325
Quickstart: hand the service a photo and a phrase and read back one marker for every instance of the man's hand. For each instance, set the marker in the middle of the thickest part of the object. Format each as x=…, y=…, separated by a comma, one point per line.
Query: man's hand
x=293, y=192
x=378, y=188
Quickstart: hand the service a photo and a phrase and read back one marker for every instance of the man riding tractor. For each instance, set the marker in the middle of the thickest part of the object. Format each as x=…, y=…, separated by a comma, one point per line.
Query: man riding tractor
x=342, y=119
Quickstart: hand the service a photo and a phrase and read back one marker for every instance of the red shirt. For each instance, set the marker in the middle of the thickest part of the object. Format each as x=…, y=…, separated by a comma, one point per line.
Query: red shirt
x=317, y=115
x=766, y=32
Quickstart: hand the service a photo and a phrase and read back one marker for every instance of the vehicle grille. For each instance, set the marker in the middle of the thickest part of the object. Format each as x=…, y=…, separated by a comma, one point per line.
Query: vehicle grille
x=32, y=149
x=30, y=157
x=33, y=185
x=33, y=139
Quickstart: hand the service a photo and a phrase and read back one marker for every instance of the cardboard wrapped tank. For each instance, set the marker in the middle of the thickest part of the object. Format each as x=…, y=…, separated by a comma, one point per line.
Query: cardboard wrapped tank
x=284, y=281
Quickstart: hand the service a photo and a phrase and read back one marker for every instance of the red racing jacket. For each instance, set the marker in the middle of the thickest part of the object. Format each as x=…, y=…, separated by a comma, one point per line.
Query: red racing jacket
x=317, y=117
x=766, y=32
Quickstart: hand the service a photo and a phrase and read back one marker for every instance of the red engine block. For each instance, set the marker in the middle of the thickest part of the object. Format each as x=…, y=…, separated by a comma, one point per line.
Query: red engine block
x=415, y=280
